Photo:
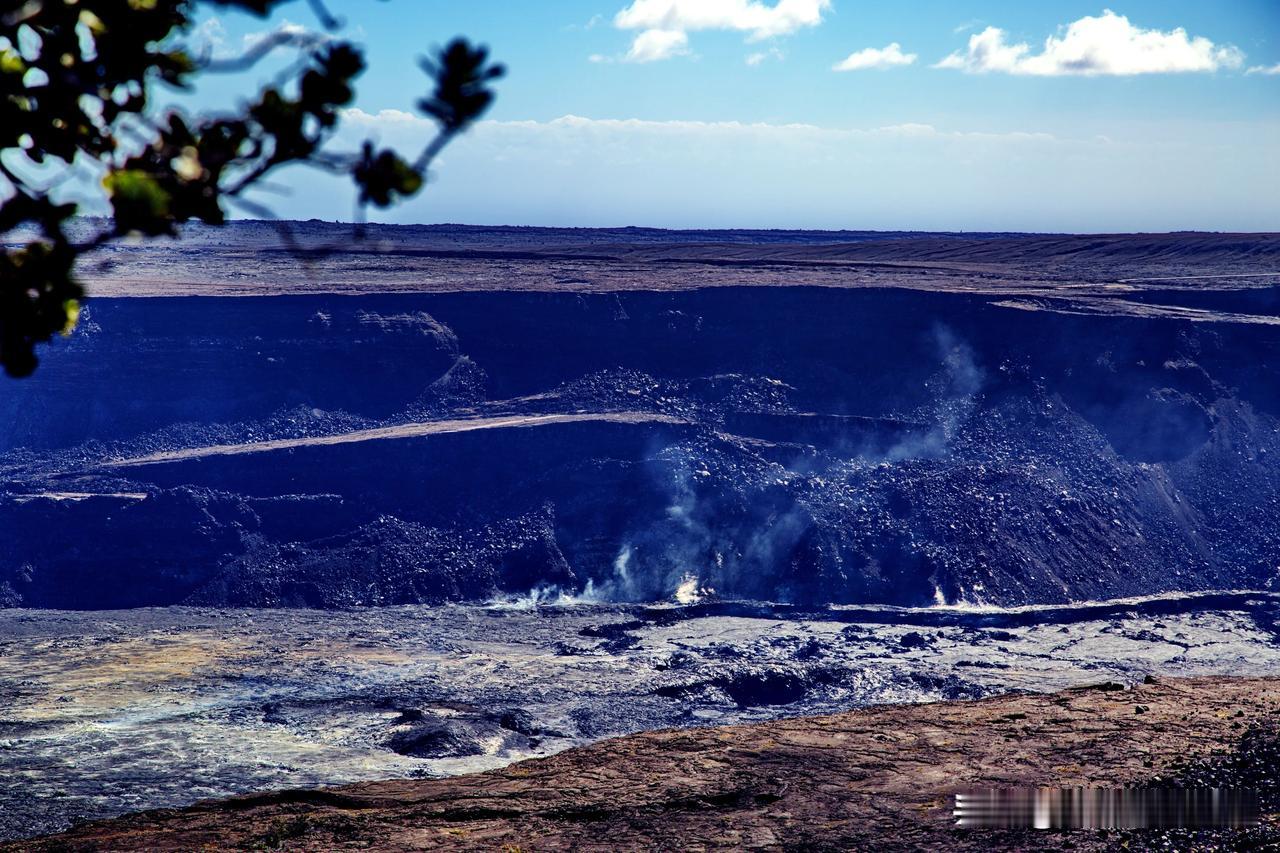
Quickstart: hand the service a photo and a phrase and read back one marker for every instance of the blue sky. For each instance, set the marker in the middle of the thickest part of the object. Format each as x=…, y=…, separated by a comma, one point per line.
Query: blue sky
x=730, y=113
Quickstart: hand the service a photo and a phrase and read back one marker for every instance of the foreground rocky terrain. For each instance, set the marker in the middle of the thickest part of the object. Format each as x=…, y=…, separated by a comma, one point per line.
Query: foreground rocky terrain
x=881, y=778
x=104, y=713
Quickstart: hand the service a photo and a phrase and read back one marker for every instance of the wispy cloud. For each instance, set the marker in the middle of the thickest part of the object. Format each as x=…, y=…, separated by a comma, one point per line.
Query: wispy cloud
x=210, y=37
x=387, y=120
x=287, y=30
x=591, y=23
x=762, y=56
x=1269, y=70
x=210, y=40
x=664, y=25
x=875, y=57
x=1093, y=46
x=653, y=45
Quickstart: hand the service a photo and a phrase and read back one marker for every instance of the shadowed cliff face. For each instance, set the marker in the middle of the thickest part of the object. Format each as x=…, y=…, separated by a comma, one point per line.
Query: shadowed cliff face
x=808, y=445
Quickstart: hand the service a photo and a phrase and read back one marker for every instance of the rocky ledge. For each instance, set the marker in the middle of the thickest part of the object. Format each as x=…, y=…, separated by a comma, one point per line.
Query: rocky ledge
x=878, y=778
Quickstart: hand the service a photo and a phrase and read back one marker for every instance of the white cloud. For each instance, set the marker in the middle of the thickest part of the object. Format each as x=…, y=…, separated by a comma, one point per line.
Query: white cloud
x=761, y=56
x=209, y=37
x=664, y=24
x=875, y=57
x=287, y=33
x=1265, y=69
x=1105, y=45
x=652, y=45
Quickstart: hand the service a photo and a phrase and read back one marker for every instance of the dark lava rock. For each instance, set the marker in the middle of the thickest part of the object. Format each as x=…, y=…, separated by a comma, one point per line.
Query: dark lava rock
x=914, y=640
x=518, y=720
x=750, y=688
x=381, y=563
x=389, y=561
x=435, y=739
x=1253, y=764
x=409, y=715
x=811, y=648
x=618, y=636
x=677, y=660
x=273, y=712
x=948, y=687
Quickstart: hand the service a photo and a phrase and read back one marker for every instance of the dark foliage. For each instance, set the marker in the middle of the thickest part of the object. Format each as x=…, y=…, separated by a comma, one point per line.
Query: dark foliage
x=76, y=83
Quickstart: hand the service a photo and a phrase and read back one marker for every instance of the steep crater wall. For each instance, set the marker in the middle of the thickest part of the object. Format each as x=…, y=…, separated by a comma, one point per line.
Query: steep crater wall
x=797, y=444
